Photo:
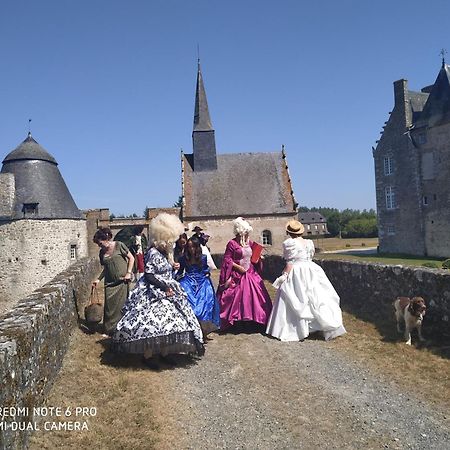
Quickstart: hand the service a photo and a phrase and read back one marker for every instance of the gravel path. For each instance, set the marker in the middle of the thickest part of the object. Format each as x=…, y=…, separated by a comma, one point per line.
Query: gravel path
x=252, y=392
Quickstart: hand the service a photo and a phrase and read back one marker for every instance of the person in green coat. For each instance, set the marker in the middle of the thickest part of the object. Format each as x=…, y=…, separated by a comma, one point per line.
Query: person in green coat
x=117, y=262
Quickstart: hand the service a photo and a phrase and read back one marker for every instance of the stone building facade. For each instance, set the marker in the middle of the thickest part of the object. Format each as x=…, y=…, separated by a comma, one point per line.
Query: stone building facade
x=315, y=224
x=412, y=169
x=42, y=231
x=101, y=218
x=217, y=188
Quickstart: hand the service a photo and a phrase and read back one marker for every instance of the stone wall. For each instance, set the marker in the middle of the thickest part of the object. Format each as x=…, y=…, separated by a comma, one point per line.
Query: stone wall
x=368, y=290
x=395, y=230
x=99, y=218
x=435, y=165
x=7, y=195
x=33, y=251
x=220, y=230
x=34, y=336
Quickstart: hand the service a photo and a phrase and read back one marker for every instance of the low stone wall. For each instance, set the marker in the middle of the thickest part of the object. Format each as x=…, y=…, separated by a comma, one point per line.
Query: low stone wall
x=368, y=291
x=34, y=337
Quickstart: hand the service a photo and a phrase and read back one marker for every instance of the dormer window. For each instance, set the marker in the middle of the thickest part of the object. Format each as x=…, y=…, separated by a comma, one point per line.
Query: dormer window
x=30, y=209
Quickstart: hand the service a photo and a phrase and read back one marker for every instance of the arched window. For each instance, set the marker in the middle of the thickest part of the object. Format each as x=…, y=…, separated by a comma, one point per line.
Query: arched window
x=266, y=237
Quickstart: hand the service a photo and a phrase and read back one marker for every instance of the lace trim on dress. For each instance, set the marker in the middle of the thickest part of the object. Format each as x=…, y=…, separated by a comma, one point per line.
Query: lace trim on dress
x=183, y=342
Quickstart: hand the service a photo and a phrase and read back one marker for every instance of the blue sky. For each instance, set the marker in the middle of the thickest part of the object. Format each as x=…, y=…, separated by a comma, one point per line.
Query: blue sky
x=110, y=85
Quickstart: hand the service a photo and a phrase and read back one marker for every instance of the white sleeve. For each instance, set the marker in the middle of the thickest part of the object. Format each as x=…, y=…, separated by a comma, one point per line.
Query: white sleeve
x=289, y=249
x=209, y=259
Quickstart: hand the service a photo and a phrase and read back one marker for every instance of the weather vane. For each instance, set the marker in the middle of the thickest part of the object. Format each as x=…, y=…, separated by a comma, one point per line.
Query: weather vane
x=198, y=54
x=443, y=52
x=29, y=126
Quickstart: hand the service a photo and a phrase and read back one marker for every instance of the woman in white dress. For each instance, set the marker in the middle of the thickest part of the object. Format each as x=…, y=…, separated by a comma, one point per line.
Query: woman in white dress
x=306, y=300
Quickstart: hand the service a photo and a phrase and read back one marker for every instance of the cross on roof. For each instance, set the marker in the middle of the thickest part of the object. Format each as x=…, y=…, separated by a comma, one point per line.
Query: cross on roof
x=443, y=52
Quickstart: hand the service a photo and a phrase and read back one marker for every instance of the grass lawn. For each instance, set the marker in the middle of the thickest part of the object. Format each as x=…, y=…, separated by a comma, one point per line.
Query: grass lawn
x=330, y=244
x=404, y=260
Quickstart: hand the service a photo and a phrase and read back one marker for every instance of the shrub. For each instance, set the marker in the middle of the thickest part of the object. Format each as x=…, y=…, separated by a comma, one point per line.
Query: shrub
x=360, y=227
x=446, y=264
x=363, y=244
x=347, y=245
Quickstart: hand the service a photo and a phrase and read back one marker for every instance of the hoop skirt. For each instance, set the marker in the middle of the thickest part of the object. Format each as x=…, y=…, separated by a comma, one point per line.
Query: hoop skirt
x=306, y=300
x=242, y=297
x=154, y=323
x=197, y=284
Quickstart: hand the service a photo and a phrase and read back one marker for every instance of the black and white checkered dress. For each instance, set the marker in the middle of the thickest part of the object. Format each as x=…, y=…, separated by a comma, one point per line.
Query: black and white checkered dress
x=154, y=323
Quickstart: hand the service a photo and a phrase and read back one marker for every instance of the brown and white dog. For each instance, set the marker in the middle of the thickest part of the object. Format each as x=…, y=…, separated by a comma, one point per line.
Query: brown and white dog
x=411, y=312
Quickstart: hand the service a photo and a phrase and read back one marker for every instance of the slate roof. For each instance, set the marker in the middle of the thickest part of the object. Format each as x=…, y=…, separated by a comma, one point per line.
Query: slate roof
x=243, y=184
x=437, y=106
x=29, y=149
x=417, y=101
x=202, y=119
x=311, y=217
x=38, y=181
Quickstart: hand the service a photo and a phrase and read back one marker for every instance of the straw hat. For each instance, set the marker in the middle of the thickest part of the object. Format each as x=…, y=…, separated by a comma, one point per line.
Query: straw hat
x=295, y=227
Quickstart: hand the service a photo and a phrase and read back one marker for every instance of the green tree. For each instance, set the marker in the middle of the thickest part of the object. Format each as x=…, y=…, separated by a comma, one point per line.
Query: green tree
x=348, y=222
x=360, y=227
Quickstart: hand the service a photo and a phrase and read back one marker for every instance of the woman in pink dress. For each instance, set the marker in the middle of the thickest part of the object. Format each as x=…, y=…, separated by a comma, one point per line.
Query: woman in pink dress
x=242, y=295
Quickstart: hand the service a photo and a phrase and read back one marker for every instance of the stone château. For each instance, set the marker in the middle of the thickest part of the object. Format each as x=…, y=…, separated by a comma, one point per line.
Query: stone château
x=412, y=169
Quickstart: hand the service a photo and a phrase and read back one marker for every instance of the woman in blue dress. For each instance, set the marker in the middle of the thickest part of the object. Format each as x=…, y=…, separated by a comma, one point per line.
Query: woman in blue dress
x=196, y=282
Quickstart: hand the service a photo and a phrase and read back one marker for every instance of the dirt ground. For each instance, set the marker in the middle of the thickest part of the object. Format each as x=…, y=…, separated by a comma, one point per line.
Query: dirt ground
x=249, y=391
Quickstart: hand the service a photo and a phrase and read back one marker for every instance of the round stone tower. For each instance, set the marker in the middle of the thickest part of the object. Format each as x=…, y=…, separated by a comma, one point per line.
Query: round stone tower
x=42, y=231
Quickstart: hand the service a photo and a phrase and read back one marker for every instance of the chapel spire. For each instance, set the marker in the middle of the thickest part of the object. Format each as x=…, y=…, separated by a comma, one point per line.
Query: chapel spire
x=202, y=120
x=203, y=139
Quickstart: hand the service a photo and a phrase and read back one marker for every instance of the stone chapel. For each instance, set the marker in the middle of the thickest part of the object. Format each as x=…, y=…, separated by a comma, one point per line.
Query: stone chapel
x=217, y=188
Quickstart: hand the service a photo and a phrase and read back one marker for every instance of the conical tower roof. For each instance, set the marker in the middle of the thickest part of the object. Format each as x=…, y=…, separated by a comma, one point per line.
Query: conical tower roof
x=29, y=149
x=437, y=107
x=40, y=190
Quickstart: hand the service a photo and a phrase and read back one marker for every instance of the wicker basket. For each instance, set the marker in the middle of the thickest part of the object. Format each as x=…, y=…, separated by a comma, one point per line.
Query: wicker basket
x=93, y=313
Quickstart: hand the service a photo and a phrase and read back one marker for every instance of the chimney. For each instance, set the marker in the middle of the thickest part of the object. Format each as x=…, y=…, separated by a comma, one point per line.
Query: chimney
x=401, y=112
x=400, y=89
